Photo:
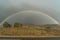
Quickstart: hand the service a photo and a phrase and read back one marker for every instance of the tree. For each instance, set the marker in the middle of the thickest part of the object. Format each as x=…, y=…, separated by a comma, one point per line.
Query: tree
x=17, y=25
x=6, y=24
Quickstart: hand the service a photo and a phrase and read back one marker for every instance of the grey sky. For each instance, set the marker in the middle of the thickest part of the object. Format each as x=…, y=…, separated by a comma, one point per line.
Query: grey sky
x=50, y=7
x=30, y=17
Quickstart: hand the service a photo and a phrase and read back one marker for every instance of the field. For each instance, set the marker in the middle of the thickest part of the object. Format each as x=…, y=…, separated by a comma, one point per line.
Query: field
x=31, y=30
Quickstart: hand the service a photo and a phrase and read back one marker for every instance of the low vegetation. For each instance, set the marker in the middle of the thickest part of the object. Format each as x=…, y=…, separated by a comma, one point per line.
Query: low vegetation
x=6, y=24
x=27, y=30
x=17, y=25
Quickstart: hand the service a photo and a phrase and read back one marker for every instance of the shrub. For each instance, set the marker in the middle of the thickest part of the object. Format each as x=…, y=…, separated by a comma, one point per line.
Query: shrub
x=6, y=24
x=48, y=29
x=17, y=25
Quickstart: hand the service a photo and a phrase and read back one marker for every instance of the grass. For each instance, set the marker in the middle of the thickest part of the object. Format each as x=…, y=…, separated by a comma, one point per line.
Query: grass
x=28, y=31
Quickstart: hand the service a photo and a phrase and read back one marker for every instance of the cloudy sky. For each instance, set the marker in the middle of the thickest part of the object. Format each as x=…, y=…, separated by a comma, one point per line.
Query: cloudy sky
x=50, y=7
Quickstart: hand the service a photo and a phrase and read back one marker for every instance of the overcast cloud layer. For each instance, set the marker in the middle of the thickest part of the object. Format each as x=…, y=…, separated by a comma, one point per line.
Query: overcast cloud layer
x=50, y=7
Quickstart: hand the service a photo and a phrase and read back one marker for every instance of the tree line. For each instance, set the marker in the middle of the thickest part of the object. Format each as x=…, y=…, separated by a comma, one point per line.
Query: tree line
x=6, y=24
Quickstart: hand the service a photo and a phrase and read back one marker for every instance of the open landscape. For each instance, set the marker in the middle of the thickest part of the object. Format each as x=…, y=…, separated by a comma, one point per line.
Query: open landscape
x=28, y=30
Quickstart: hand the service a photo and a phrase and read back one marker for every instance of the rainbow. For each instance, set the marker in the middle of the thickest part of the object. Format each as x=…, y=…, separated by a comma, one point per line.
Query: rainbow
x=29, y=11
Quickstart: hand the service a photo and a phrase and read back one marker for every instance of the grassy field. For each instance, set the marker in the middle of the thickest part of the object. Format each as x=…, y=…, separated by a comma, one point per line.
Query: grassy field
x=29, y=31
